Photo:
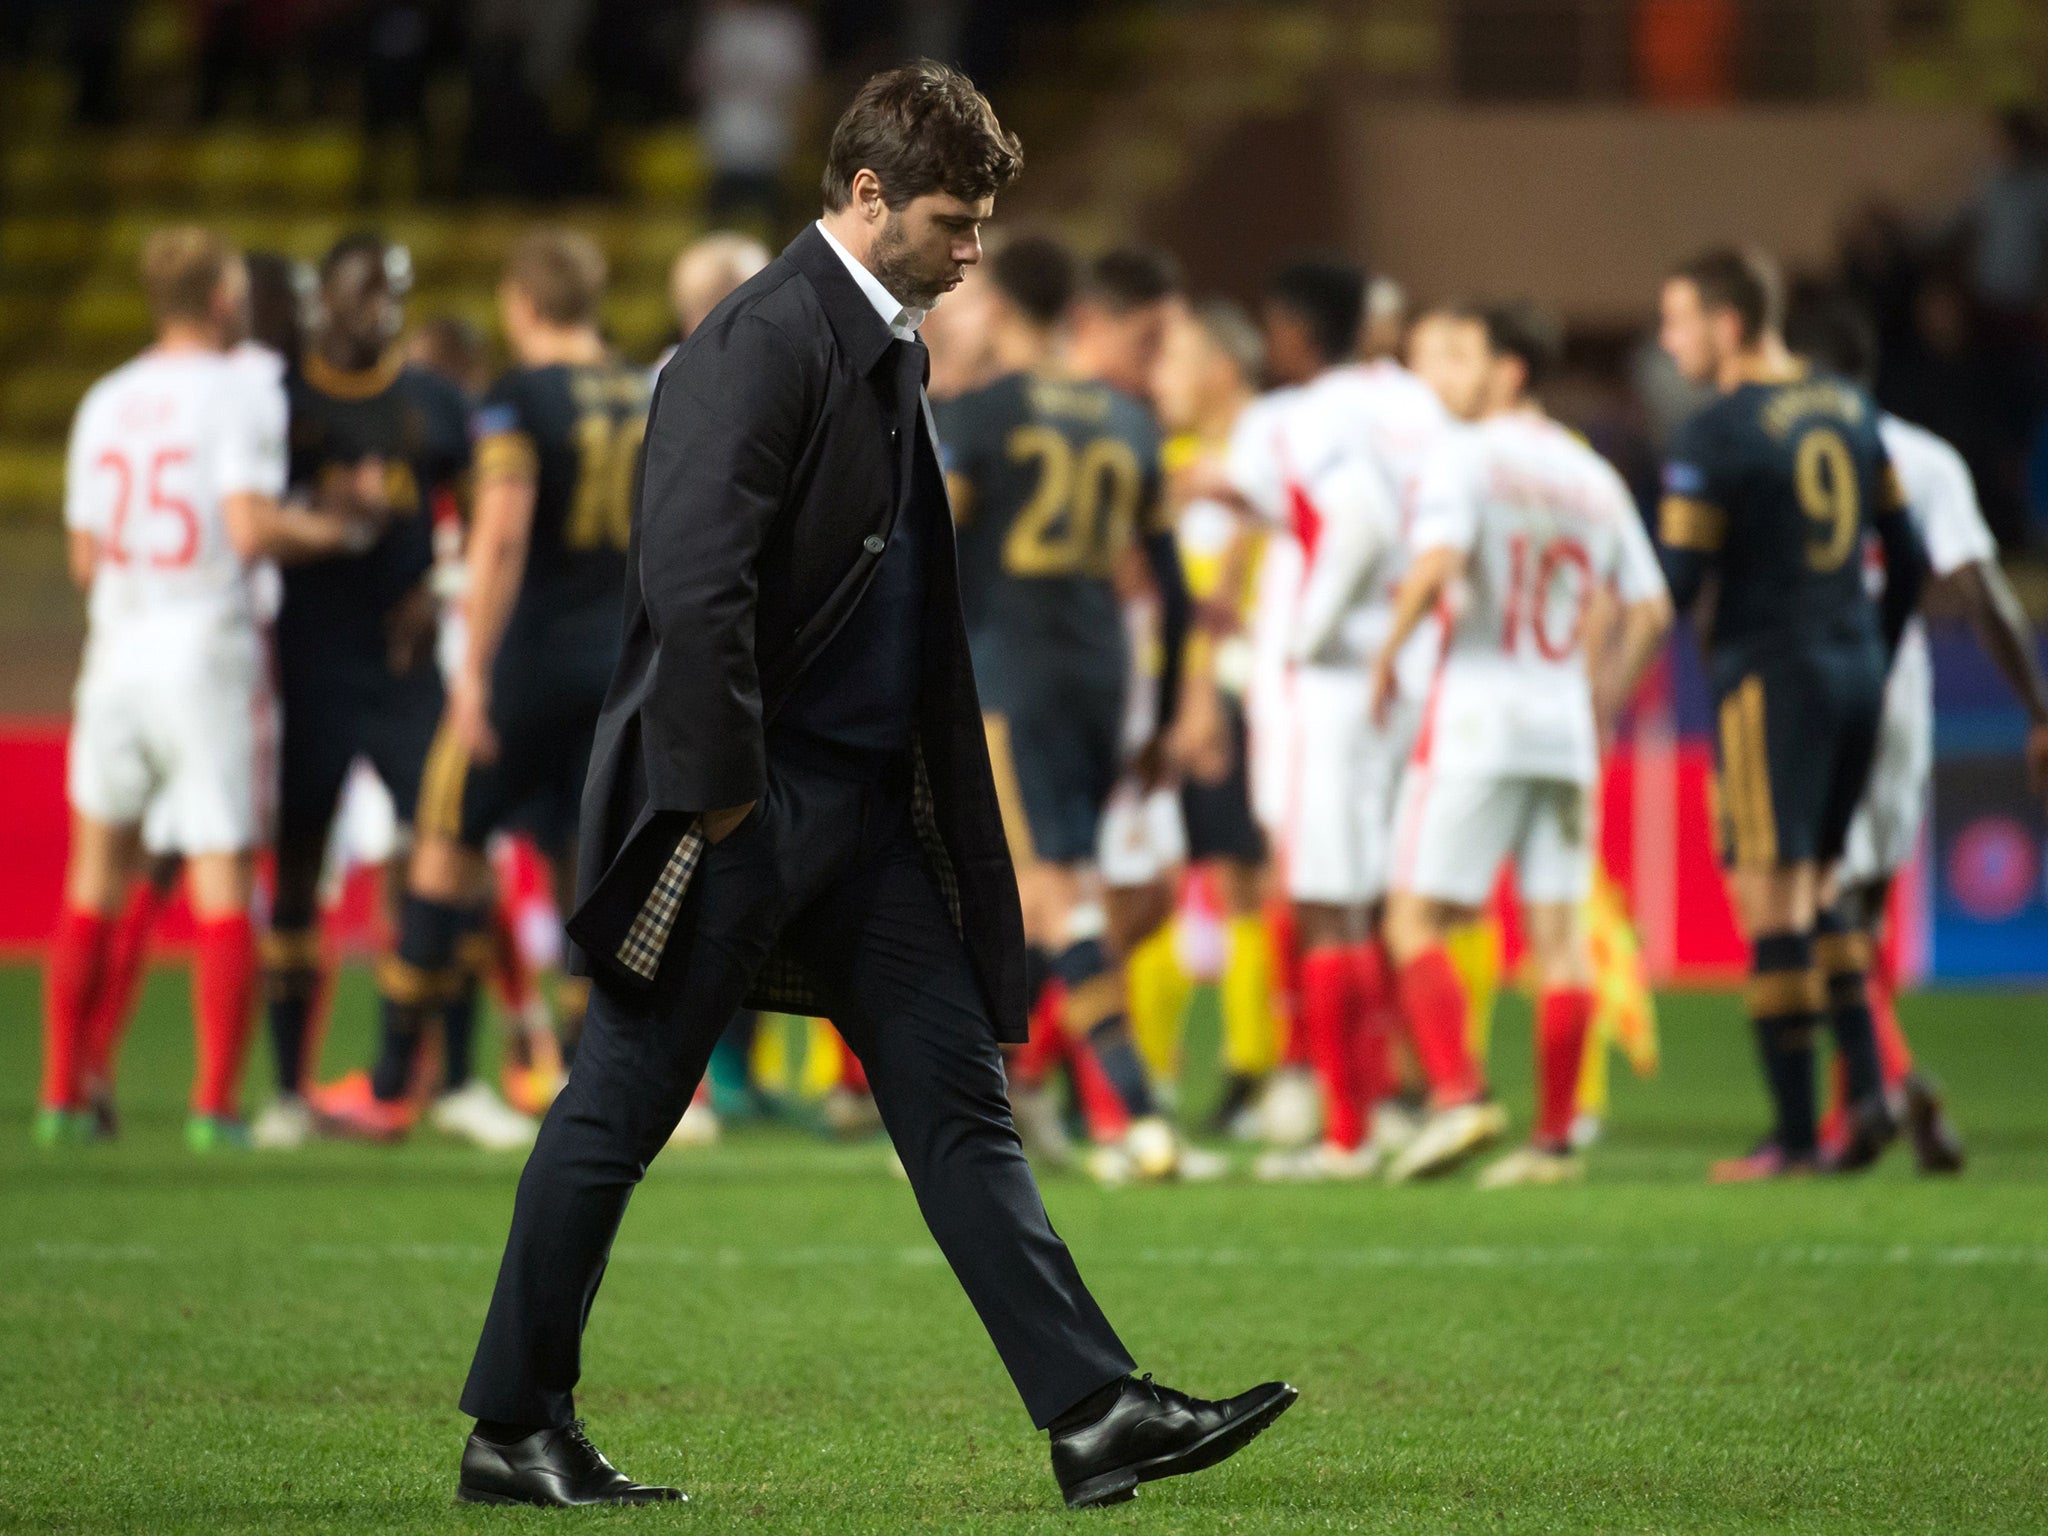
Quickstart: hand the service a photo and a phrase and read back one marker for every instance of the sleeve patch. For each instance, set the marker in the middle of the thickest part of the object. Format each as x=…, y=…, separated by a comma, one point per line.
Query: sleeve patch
x=1682, y=479
x=1686, y=522
x=506, y=456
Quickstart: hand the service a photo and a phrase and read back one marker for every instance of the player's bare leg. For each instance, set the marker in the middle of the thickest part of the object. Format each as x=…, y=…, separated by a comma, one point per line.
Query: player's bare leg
x=102, y=860
x=1777, y=907
x=1562, y=961
x=1436, y=1012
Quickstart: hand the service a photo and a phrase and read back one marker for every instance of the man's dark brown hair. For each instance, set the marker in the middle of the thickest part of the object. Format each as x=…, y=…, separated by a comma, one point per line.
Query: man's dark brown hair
x=1745, y=281
x=1038, y=274
x=562, y=272
x=1130, y=277
x=921, y=128
x=1520, y=329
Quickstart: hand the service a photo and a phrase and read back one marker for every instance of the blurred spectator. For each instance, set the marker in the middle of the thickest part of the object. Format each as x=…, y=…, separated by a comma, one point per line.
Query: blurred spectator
x=2007, y=220
x=705, y=271
x=1974, y=391
x=524, y=136
x=753, y=60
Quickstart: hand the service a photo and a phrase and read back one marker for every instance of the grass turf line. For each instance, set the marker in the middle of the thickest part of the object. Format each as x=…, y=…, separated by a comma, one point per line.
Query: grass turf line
x=275, y=1342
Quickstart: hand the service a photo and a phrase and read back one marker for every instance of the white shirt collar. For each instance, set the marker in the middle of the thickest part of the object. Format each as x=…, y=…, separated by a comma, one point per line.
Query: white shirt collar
x=901, y=319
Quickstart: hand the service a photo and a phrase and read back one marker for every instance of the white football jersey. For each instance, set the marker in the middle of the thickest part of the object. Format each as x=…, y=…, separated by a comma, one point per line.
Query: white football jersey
x=1333, y=464
x=1543, y=521
x=157, y=447
x=1941, y=499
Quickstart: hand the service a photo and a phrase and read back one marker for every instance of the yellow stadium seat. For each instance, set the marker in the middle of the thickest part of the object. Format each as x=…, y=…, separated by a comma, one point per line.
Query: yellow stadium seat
x=666, y=166
x=31, y=482
x=145, y=168
x=39, y=402
x=102, y=316
x=639, y=323
x=53, y=246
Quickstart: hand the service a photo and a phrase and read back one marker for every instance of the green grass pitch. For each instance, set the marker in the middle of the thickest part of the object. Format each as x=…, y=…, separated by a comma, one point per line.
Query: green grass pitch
x=275, y=1343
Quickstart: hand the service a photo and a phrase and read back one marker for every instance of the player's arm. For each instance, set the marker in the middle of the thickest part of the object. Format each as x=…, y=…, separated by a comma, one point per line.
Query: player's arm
x=1646, y=614
x=500, y=534
x=260, y=527
x=1431, y=575
x=1446, y=527
x=1692, y=518
x=1905, y=562
x=81, y=557
x=1162, y=558
x=2007, y=636
x=261, y=523
x=1359, y=526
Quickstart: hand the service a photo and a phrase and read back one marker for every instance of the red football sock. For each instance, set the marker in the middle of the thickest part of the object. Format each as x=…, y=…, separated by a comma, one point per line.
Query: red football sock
x=1434, y=1006
x=1046, y=1047
x=115, y=1003
x=852, y=1075
x=1101, y=1105
x=224, y=1008
x=1329, y=1015
x=510, y=970
x=1893, y=1054
x=71, y=987
x=1834, y=1124
x=1287, y=981
x=1563, y=1016
x=1377, y=1018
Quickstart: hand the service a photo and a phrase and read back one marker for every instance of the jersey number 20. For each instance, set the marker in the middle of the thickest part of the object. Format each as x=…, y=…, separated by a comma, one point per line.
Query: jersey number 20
x=1082, y=509
x=608, y=453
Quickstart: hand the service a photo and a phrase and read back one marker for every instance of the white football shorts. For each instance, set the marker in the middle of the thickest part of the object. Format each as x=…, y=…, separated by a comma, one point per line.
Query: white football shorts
x=1453, y=830
x=1345, y=772
x=176, y=733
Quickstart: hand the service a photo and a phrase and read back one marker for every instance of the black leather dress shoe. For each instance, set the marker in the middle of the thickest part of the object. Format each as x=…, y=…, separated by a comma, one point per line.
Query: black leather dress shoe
x=554, y=1468
x=1151, y=1432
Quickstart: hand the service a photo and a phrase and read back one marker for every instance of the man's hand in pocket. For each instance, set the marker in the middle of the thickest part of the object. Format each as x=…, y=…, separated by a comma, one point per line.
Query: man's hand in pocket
x=718, y=825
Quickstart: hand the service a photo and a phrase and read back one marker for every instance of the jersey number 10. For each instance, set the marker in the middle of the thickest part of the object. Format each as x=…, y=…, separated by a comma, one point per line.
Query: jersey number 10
x=608, y=454
x=1528, y=606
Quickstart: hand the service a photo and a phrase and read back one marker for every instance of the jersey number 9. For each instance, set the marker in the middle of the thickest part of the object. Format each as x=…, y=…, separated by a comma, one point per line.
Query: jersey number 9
x=1082, y=510
x=608, y=453
x=1824, y=474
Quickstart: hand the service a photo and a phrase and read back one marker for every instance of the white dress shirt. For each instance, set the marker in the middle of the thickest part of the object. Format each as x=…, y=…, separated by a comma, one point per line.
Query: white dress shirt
x=901, y=319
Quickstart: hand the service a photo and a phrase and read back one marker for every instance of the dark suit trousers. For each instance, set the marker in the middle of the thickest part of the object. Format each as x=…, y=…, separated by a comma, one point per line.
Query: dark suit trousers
x=833, y=867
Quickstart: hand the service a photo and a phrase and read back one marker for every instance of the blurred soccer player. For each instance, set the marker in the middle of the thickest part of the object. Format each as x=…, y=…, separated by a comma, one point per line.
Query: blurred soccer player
x=355, y=635
x=557, y=443
x=176, y=465
x=960, y=335
x=1523, y=539
x=1942, y=502
x=1772, y=490
x=1054, y=474
x=1208, y=372
x=705, y=271
x=279, y=292
x=451, y=346
x=1330, y=464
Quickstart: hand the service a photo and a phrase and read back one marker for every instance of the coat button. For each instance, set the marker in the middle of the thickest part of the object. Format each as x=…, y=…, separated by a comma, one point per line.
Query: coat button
x=874, y=544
